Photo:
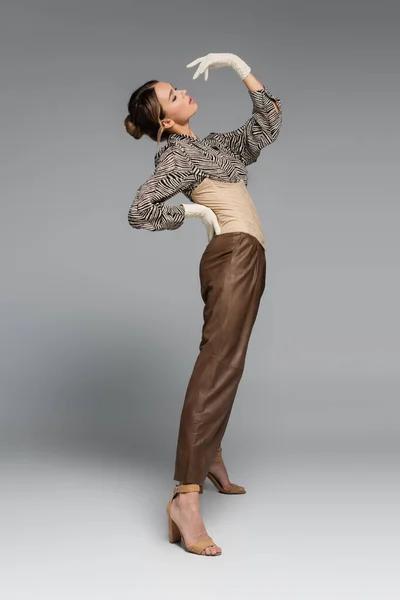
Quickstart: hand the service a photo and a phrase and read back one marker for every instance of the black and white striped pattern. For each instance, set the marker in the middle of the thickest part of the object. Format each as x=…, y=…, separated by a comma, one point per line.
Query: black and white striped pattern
x=183, y=162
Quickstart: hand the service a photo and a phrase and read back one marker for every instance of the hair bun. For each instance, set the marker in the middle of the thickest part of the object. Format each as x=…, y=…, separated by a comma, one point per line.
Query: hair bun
x=131, y=128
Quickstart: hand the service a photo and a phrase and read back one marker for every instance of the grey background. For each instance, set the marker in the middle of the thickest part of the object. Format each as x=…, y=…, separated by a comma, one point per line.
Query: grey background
x=101, y=323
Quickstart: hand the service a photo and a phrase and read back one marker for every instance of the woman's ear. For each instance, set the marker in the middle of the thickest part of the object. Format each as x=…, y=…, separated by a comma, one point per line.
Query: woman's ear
x=168, y=123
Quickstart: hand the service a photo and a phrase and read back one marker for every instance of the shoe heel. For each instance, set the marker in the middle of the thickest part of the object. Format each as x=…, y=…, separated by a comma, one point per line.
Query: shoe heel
x=173, y=529
x=215, y=482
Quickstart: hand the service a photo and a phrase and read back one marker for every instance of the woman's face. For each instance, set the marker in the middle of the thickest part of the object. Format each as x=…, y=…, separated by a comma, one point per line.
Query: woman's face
x=176, y=103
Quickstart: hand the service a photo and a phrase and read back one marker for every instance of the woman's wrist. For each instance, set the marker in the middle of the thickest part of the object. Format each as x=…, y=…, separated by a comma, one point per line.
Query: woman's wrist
x=240, y=66
x=194, y=210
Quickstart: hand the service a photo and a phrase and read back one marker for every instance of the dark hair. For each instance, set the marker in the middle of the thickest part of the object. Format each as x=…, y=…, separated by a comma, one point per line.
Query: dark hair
x=145, y=114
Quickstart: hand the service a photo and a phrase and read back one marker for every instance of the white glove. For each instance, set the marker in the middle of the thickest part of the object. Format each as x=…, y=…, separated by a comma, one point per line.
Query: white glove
x=208, y=217
x=216, y=60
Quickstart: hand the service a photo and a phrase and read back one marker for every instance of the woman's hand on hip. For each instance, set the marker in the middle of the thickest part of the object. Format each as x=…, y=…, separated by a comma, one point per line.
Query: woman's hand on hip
x=216, y=60
x=208, y=217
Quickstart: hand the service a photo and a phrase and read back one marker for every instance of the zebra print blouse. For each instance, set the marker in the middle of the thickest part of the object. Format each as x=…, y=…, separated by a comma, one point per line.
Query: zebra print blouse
x=183, y=162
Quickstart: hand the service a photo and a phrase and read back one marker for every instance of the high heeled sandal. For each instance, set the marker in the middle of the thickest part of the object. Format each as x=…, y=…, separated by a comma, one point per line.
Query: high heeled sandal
x=174, y=532
x=234, y=489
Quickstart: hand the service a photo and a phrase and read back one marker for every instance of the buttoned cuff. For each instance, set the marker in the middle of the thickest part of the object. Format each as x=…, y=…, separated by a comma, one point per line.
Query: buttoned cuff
x=261, y=98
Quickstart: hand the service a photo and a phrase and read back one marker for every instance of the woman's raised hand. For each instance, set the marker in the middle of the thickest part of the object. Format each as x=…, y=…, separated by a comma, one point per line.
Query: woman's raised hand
x=216, y=60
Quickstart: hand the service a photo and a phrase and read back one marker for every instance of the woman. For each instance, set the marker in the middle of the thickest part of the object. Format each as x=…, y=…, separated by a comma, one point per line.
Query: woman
x=212, y=173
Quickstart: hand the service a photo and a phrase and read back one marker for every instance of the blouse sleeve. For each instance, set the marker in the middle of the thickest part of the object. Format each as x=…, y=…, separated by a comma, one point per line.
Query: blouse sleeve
x=148, y=211
x=260, y=130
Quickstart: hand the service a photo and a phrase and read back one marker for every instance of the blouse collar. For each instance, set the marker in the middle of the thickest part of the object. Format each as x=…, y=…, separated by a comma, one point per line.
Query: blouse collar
x=173, y=138
x=179, y=136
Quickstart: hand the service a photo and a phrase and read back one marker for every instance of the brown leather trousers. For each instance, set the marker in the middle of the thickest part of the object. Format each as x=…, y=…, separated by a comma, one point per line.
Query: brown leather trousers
x=232, y=276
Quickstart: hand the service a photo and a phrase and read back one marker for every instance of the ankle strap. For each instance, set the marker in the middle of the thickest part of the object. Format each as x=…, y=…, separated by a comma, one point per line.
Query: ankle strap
x=187, y=487
x=218, y=455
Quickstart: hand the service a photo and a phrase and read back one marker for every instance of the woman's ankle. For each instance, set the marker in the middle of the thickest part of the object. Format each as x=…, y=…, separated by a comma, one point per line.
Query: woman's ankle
x=187, y=498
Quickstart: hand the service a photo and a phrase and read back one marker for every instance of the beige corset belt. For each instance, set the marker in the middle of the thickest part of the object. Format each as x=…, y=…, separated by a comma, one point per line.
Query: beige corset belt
x=232, y=205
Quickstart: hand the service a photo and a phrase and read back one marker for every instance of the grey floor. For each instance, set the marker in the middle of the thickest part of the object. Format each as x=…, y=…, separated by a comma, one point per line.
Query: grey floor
x=79, y=525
